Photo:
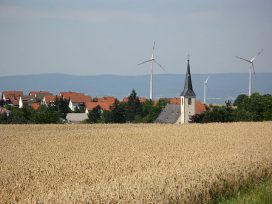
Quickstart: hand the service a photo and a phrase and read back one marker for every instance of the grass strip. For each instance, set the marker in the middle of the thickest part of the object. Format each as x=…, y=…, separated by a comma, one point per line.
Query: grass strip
x=258, y=193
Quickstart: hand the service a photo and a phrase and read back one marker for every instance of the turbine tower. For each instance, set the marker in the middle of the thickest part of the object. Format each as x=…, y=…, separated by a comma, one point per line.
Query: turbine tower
x=251, y=69
x=152, y=60
x=205, y=89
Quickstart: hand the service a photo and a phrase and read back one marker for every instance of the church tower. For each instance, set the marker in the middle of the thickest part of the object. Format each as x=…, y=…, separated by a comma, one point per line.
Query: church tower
x=187, y=98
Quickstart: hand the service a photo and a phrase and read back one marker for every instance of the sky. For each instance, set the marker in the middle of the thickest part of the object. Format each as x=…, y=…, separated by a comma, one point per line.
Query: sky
x=94, y=37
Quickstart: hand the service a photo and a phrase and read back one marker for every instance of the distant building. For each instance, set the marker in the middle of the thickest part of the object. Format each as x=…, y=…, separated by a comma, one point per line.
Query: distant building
x=12, y=97
x=76, y=117
x=49, y=100
x=26, y=101
x=76, y=100
x=40, y=94
x=187, y=98
x=104, y=106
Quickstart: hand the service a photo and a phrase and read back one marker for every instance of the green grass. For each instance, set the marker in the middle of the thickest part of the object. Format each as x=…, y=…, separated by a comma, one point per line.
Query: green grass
x=260, y=193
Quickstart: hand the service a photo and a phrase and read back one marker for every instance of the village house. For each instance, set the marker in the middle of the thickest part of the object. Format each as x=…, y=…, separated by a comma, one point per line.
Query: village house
x=104, y=106
x=76, y=100
x=26, y=101
x=48, y=100
x=109, y=99
x=39, y=95
x=12, y=97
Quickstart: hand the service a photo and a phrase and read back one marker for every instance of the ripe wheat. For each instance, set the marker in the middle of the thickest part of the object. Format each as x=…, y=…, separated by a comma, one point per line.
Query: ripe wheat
x=131, y=163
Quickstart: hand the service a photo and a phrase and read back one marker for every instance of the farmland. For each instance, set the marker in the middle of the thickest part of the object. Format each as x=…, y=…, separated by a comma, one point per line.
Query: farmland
x=131, y=162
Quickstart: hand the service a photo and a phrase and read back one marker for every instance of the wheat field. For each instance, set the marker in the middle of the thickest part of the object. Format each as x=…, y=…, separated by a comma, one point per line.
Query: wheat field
x=131, y=163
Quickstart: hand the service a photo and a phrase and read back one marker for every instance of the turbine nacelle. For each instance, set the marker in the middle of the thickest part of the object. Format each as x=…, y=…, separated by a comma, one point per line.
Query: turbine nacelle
x=152, y=60
x=252, y=70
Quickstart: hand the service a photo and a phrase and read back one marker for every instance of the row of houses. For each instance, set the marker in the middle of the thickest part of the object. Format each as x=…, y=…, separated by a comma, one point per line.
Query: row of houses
x=37, y=98
x=76, y=100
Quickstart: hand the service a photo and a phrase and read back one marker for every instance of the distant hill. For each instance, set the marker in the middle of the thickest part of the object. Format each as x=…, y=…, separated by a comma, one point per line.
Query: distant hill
x=221, y=87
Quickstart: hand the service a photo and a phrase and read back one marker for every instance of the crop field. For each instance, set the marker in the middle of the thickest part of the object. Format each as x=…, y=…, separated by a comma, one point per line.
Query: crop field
x=135, y=163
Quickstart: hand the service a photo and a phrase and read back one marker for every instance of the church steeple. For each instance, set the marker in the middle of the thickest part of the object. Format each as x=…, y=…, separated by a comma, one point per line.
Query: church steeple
x=188, y=88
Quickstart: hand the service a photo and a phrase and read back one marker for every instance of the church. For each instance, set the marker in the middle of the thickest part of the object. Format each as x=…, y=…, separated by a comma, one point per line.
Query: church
x=184, y=107
x=187, y=98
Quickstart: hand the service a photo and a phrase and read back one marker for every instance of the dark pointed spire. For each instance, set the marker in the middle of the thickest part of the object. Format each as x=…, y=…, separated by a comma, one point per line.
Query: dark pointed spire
x=188, y=87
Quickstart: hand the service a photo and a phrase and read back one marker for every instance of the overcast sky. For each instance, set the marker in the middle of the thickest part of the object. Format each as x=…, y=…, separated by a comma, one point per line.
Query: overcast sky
x=91, y=37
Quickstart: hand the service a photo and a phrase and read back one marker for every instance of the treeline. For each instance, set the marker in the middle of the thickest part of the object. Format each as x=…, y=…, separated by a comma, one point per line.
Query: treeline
x=55, y=113
x=132, y=111
x=254, y=108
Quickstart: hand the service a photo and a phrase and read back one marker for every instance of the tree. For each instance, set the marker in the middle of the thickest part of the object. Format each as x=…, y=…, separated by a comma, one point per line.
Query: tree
x=118, y=112
x=107, y=117
x=44, y=115
x=2, y=103
x=151, y=111
x=239, y=100
x=94, y=116
x=3, y=118
x=134, y=107
x=61, y=106
x=254, y=108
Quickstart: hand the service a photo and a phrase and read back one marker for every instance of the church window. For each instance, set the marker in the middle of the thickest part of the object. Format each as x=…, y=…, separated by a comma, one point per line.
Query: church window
x=189, y=101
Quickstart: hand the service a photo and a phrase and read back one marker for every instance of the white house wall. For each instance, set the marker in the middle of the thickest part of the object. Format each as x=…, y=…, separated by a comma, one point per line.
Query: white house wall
x=21, y=105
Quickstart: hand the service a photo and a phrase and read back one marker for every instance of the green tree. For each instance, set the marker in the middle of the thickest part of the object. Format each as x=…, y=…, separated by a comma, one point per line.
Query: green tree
x=94, y=116
x=119, y=112
x=20, y=115
x=61, y=106
x=133, y=107
x=2, y=103
x=240, y=100
x=3, y=118
x=151, y=111
x=44, y=115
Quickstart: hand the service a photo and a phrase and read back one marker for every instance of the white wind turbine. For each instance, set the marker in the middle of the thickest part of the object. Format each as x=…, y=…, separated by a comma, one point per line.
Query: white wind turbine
x=251, y=69
x=152, y=60
x=205, y=89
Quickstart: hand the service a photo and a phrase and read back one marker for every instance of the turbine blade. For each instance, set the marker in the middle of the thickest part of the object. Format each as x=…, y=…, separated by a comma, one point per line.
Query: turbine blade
x=243, y=59
x=257, y=55
x=159, y=65
x=146, y=61
x=154, y=46
x=260, y=52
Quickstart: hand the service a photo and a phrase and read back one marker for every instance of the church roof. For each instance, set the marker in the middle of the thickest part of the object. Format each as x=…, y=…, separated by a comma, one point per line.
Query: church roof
x=188, y=87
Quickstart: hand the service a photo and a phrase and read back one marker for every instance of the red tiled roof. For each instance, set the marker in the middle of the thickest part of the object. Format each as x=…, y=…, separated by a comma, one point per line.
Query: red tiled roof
x=175, y=101
x=107, y=99
x=33, y=93
x=13, y=94
x=142, y=99
x=80, y=98
x=50, y=98
x=35, y=106
x=76, y=97
x=200, y=107
x=103, y=105
x=125, y=99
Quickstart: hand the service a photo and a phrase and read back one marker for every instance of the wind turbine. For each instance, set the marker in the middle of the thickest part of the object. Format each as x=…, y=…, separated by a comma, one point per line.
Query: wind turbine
x=251, y=69
x=152, y=60
x=205, y=89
